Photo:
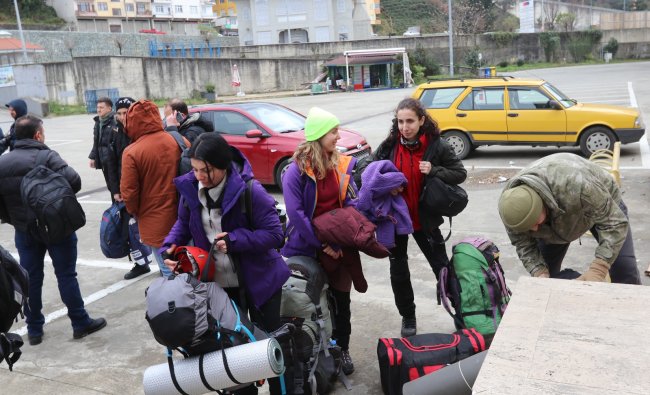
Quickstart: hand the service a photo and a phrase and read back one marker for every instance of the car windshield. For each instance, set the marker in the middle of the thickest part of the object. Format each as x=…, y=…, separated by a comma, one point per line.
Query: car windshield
x=559, y=96
x=278, y=118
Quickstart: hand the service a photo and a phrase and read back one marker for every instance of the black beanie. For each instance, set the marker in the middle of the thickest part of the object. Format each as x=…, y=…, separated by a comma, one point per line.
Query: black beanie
x=124, y=102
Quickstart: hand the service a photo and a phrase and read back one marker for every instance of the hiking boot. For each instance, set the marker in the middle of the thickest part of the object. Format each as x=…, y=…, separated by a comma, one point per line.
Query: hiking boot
x=93, y=327
x=136, y=271
x=346, y=362
x=409, y=326
x=35, y=340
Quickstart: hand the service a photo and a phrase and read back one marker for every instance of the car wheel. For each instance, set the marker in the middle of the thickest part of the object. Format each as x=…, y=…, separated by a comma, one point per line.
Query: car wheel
x=280, y=170
x=595, y=139
x=459, y=142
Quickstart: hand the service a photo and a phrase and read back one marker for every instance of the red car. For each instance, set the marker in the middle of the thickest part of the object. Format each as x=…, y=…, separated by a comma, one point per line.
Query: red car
x=268, y=134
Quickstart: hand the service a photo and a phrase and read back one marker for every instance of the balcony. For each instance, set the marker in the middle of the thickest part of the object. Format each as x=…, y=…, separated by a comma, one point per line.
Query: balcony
x=143, y=13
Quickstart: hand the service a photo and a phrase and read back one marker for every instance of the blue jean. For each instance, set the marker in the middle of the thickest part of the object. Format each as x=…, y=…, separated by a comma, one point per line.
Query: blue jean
x=163, y=269
x=64, y=259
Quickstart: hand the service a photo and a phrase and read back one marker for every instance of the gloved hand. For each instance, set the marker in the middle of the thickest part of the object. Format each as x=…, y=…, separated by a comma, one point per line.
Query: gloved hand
x=597, y=271
x=542, y=273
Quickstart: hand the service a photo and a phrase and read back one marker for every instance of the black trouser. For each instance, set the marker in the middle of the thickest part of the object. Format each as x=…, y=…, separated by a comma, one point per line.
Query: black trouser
x=342, y=318
x=433, y=248
x=624, y=269
x=266, y=317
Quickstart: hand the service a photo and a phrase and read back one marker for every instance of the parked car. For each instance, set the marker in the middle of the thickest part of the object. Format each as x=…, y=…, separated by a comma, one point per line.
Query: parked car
x=268, y=134
x=512, y=111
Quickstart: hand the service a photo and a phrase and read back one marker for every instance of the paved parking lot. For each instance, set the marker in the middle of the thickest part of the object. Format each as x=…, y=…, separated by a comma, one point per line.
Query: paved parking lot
x=113, y=360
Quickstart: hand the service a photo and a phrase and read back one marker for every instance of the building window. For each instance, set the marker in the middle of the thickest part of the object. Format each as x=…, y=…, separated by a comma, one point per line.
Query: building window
x=142, y=8
x=159, y=9
x=178, y=8
x=129, y=7
x=117, y=12
x=102, y=6
x=194, y=9
x=84, y=7
x=340, y=5
x=116, y=1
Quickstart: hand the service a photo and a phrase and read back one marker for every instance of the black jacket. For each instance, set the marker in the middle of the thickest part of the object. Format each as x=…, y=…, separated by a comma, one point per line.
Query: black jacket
x=14, y=166
x=444, y=165
x=192, y=127
x=108, y=144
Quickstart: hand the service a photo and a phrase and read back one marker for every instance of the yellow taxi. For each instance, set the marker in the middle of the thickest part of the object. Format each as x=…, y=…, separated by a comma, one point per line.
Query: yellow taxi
x=513, y=111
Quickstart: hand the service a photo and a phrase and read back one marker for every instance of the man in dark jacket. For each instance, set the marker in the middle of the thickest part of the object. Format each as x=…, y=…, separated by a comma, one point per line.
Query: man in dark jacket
x=17, y=108
x=30, y=139
x=102, y=156
x=189, y=126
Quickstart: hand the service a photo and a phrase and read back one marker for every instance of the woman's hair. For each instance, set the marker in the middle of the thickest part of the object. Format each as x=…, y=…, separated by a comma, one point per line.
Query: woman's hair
x=212, y=148
x=311, y=153
x=429, y=127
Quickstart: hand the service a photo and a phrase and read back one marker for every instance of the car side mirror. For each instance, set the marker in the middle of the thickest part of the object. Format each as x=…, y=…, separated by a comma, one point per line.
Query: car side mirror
x=254, y=134
x=554, y=105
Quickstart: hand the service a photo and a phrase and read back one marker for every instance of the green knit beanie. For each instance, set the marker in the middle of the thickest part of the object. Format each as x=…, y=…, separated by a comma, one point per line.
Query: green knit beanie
x=319, y=122
x=520, y=208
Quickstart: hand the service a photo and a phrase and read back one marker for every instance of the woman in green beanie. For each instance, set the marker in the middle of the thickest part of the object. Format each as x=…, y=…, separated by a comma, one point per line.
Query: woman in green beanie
x=415, y=147
x=317, y=181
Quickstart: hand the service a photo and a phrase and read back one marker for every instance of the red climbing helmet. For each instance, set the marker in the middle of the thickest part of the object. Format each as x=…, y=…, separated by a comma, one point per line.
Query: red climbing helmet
x=192, y=260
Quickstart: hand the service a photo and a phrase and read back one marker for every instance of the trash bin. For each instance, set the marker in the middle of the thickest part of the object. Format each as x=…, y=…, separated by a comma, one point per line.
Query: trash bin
x=493, y=71
x=487, y=72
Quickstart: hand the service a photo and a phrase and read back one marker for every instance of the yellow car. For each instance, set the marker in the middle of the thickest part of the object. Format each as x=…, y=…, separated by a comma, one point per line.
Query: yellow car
x=512, y=111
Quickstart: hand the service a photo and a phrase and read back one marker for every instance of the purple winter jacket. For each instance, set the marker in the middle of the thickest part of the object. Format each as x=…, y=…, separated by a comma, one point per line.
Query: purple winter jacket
x=300, y=200
x=263, y=269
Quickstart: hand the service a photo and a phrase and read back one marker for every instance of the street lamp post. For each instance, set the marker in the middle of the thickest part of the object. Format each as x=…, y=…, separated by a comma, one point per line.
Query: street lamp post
x=450, y=30
x=20, y=30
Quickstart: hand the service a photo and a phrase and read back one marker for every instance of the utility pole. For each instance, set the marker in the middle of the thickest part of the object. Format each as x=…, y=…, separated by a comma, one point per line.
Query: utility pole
x=450, y=30
x=20, y=30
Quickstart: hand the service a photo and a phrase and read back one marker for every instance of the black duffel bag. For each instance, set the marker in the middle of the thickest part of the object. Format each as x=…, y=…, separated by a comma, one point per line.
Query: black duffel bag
x=405, y=359
x=443, y=199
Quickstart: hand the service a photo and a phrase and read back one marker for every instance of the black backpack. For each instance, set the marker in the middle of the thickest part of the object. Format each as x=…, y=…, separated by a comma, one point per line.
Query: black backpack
x=184, y=164
x=14, y=291
x=52, y=201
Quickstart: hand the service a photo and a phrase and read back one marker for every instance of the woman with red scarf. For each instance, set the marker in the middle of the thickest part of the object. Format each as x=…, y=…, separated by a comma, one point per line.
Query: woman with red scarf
x=415, y=147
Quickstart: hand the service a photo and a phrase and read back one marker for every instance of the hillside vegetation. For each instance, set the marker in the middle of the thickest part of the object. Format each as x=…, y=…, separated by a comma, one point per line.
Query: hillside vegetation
x=32, y=13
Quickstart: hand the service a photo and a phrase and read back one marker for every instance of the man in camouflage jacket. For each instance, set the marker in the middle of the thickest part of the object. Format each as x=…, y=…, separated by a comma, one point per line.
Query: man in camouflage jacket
x=553, y=202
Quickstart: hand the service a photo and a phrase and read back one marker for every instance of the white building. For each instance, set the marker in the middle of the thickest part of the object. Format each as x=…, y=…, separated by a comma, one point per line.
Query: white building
x=263, y=22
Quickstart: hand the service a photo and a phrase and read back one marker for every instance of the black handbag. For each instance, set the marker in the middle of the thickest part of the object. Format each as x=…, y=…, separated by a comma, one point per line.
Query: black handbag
x=442, y=199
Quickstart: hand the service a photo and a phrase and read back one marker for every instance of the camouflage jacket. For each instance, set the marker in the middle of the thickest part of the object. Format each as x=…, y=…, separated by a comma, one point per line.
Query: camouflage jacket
x=578, y=195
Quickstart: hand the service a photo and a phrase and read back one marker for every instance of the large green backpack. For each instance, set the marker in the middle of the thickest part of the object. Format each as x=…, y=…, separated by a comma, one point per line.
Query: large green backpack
x=474, y=285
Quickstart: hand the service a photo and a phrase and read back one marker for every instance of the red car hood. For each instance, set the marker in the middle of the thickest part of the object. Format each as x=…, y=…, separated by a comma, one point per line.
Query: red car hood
x=349, y=139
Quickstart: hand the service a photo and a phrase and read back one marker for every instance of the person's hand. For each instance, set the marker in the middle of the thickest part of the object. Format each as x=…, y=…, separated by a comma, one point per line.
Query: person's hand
x=597, y=271
x=92, y=163
x=425, y=167
x=221, y=244
x=171, y=264
x=171, y=119
x=331, y=252
x=397, y=191
x=118, y=197
x=542, y=273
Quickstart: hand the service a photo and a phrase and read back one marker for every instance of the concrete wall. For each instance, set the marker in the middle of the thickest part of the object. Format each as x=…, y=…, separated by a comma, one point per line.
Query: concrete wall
x=167, y=78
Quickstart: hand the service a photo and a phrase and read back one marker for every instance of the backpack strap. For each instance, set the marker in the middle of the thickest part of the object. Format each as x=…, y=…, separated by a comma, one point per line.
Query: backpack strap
x=10, y=344
x=170, y=362
x=179, y=139
x=443, y=296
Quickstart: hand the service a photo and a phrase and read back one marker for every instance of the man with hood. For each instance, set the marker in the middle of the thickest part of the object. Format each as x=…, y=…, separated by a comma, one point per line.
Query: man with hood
x=189, y=126
x=17, y=108
x=553, y=202
x=149, y=165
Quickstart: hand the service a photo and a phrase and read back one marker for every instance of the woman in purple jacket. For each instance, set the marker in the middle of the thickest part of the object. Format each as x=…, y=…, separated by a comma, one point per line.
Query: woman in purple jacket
x=210, y=210
x=319, y=180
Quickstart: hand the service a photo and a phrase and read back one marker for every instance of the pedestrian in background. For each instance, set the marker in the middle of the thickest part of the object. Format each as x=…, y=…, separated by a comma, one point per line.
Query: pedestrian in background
x=149, y=166
x=30, y=140
x=17, y=108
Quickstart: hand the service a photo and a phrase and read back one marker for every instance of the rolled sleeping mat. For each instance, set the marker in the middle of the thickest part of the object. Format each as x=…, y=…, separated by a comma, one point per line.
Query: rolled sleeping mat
x=455, y=379
x=248, y=363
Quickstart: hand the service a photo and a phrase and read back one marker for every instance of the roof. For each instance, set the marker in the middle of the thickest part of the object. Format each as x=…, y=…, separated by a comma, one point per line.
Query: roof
x=10, y=44
x=484, y=82
x=365, y=60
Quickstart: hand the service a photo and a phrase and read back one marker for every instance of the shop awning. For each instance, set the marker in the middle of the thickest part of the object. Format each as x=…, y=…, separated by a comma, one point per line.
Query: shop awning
x=363, y=60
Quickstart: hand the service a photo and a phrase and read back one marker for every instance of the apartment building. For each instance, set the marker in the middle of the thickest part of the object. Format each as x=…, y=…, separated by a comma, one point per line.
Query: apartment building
x=263, y=22
x=226, y=11
x=132, y=16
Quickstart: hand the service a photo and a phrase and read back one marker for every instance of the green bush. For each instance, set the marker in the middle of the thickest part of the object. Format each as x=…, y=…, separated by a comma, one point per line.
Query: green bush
x=472, y=61
x=582, y=44
x=503, y=39
x=611, y=46
x=209, y=87
x=423, y=58
x=550, y=42
x=503, y=63
x=520, y=62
